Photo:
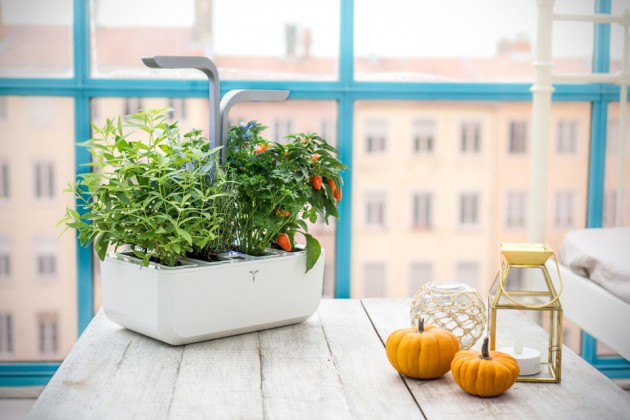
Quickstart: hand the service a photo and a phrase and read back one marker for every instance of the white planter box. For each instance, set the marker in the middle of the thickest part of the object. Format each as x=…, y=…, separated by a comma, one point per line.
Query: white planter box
x=202, y=301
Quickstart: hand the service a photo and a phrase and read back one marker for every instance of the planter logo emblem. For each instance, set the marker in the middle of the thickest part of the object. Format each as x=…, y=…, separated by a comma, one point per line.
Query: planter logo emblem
x=253, y=273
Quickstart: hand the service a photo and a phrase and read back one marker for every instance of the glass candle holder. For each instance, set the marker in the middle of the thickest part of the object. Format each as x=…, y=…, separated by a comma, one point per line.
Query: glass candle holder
x=455, y=307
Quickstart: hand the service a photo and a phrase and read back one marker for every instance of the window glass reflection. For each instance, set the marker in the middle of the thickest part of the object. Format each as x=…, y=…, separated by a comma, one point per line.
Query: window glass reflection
x=440, y=215
x=470, y=41
x=247, y=39
x=23, y=26
x=38, y=305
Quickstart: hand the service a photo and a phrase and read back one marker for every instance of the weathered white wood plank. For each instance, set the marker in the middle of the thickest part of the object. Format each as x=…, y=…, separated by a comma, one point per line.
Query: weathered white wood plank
x=77, y=386
x=142, y=386
x=373, y=390
x=299, y=377
x=583, y=392
x=219, y=379
x=111, y=373
x=331, y=366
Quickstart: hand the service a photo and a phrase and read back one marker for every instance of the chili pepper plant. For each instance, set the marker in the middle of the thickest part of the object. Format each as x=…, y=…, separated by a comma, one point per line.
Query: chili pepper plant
x=279, y=187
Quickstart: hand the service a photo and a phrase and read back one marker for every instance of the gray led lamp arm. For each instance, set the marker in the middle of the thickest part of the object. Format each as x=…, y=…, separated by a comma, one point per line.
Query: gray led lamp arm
x=218, y=112
x=208, y=67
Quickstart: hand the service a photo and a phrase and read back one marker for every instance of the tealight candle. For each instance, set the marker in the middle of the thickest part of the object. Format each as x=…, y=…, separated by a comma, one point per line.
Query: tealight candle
x=528, y=359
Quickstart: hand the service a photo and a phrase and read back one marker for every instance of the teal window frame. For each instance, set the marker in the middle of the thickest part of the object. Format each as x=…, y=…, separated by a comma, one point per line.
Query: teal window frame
x=345, y=91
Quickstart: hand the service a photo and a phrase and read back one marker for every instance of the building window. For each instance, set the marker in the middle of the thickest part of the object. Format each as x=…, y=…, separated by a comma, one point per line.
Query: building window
x=374, y=280
x=282, y=128
x=132, y=105
x=423, y=136
x=48, y=334
x=6, y=269
x=375, y=209
x=46, y=265
x=4, y=109
x=564, y=209
x=419, y=274
x=610, y=207
x=515, y=209
x=468, y=273
x=469, y=209
x=6, y=334
x=5, y=266
x=46, y=260
x=44, y=180
x=567, y=138
x=422, y=210
x=375, y=135
x=470, y=137
x=4, y=180
x=178, y=108
x=518, y=138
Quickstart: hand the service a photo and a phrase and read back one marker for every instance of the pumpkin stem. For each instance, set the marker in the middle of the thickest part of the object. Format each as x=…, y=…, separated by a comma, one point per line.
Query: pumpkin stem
x=485, y=354
x=420, y=325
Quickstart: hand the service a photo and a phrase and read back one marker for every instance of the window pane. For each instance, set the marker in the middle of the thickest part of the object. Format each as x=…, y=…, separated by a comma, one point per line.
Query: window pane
x=38, y=265
x=617, y=201
x=24, y=26
x=616, y=36
x=247, y=39
x=462, y=41
x=451, y=209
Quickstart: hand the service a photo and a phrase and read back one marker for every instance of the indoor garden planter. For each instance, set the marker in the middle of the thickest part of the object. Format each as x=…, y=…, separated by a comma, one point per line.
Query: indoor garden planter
x=208, y=233
x=200, y=301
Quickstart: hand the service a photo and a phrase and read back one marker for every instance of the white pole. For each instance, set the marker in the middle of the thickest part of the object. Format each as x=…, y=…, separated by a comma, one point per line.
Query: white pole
x=596, y=18
x=586, y=77
x=541, y=111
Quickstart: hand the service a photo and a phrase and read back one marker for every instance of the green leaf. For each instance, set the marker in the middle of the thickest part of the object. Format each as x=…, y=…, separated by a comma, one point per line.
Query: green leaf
x=77, y=225
x=185, y=235
x=166, y=149
x=100, y=246
x=138, y=254
x=313, y=251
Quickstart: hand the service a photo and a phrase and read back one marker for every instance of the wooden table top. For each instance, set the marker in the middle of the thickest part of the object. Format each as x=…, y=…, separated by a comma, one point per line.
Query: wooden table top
x=331, y=366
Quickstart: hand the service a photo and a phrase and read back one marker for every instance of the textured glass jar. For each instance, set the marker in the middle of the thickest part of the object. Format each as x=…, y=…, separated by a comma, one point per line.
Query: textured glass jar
x=455, y=307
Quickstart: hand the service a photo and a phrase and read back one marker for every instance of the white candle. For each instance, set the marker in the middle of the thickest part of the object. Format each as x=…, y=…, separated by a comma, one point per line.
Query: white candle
x=528, y=358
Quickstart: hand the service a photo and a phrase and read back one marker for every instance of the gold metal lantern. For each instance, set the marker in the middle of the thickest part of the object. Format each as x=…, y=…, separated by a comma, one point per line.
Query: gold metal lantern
x=525, y=284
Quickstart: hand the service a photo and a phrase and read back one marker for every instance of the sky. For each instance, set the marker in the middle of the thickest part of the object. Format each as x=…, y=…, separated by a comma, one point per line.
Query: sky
x=398, y=28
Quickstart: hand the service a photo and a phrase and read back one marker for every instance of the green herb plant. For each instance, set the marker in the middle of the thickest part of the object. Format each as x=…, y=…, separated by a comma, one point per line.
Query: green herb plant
x=153, y=188
x=277, y=187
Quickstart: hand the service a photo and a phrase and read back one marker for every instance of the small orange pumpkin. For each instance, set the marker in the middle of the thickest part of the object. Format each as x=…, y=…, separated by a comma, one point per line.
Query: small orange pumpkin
x=425, y=352
x=487, y=374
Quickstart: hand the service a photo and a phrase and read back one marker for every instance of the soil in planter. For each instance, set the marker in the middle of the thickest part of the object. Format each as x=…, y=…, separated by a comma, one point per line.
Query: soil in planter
x=153, y=260
x=296, y=248
x=204, y=257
